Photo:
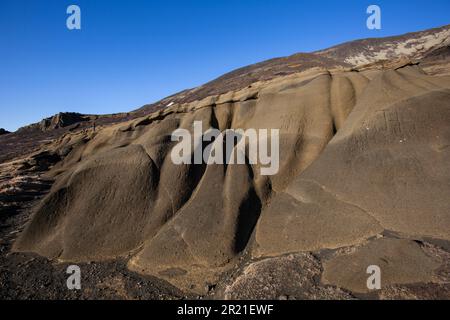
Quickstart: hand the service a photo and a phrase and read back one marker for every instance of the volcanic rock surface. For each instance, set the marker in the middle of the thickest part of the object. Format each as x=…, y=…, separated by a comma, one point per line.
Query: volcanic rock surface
x=364, y=179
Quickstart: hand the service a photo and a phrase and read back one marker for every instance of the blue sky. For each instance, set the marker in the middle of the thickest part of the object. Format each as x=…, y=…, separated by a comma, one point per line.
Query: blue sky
x=129, y=53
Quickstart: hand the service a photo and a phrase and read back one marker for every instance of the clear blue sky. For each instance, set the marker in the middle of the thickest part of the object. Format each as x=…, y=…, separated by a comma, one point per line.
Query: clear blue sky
x=129, y=53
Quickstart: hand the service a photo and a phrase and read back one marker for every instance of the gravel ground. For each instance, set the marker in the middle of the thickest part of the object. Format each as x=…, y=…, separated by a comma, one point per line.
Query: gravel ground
x=29, y=276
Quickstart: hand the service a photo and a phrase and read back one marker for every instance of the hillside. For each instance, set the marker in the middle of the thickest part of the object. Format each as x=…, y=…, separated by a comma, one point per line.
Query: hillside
x=363, y=180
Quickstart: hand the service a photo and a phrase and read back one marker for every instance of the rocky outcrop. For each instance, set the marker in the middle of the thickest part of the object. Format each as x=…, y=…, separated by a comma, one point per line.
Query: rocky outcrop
x=3, y=131
x=382, y=171
x=414, y=46
x=363, y=153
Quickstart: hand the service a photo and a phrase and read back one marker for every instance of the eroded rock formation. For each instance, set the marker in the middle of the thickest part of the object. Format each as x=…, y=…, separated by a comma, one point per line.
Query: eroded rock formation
x=364, y=173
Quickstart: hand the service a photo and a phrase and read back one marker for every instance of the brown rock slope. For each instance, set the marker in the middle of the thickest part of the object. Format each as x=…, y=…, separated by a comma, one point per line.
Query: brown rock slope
x=387, y=168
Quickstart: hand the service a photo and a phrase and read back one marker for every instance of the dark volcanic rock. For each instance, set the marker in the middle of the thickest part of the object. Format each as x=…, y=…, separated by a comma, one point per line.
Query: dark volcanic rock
x=438, y=55
x=3, y=131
